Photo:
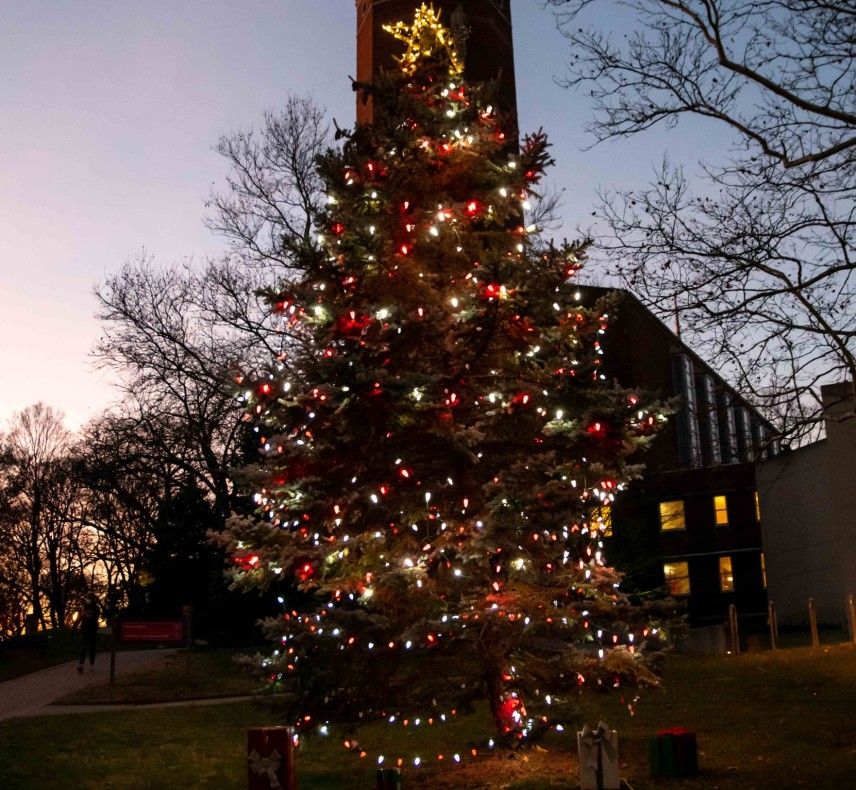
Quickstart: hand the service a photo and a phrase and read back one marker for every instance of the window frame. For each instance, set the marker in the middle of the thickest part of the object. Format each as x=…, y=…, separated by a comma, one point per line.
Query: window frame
x=717, y=510
x=663, y=521
x=726, y=587
x=668, y=579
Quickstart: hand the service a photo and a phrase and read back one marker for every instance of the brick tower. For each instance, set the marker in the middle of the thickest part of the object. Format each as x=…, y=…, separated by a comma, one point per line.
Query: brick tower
x=489, y=49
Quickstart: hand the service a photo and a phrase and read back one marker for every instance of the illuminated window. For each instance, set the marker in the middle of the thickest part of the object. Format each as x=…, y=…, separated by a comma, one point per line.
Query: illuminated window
x=726, y=576
x=672, y=515
x=603, y=520
x=757, y=510
x=677, y=575
x=720, y=510
x=763, y=571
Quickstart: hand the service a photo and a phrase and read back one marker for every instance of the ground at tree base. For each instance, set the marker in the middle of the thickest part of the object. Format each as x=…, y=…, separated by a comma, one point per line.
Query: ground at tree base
x=764, y=721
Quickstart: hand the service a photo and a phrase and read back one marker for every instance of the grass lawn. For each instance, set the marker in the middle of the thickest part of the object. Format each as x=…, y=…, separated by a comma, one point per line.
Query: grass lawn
x=764, y=720
x=201, y=675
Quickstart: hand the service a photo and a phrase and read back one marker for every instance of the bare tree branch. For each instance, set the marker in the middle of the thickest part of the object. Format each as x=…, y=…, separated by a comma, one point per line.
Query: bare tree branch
x=758, y=256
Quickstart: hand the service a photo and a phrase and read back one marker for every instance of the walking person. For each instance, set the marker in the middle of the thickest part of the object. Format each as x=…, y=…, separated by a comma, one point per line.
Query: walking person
x=90, y=613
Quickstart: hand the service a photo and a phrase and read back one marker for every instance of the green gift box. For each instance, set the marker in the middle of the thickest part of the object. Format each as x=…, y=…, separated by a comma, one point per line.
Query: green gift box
x=673, y=752
x=388, y=779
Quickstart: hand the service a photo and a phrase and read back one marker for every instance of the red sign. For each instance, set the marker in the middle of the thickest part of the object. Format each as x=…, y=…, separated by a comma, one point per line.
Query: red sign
x=152, y=631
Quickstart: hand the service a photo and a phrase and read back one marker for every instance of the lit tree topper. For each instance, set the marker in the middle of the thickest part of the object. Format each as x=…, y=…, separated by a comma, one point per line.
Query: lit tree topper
x=425, y=37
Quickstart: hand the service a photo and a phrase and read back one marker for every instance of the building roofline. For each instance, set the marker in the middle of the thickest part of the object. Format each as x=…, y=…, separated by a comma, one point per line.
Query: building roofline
x=664, y=328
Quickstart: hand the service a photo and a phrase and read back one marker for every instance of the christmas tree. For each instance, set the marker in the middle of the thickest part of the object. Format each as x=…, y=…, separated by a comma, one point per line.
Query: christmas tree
x=439, y=440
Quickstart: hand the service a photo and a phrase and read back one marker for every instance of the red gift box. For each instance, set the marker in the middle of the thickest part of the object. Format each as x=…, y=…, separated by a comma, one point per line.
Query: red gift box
x=270, y=758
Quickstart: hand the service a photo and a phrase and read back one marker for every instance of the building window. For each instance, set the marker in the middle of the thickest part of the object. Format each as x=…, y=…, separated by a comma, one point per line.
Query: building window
x=720, y=510
x=677, y=576
x=686, y=419
x=763, y=571
x=759, y=440
x=603, y=520
x=744, y=433
x=672, y=515
x=727, y=430
x=726, y=575
x=708, y=420
x=757, y=510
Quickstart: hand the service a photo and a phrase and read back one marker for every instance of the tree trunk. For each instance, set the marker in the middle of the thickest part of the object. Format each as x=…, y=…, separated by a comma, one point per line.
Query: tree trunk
x=495, y=689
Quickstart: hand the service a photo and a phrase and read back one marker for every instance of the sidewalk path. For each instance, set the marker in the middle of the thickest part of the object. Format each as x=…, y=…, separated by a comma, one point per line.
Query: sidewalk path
x=61, y=710
x=31, y=695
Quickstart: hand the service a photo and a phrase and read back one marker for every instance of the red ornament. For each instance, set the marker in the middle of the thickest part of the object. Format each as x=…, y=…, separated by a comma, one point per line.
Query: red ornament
x=337, y=228
x=597, y=430
x=495, y=291
x=247, y=562
x=305, y=571
x=352, y=323
x=512, y=713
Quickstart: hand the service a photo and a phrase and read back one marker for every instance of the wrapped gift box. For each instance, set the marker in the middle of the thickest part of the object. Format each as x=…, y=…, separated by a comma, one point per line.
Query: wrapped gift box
x=598, y=750
x=673, y=752
x=388, y=779
x=270, y=758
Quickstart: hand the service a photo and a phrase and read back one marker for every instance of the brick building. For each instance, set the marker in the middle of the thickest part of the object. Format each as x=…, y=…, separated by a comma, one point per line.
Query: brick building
x=484, y=27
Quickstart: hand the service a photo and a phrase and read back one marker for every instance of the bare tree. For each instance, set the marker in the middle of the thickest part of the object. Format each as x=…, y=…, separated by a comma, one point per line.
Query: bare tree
x=41, y=533
x=273, y=190
x=181, y=338
x=15, y=587
x=125, y=479
x=178, y=360
x=759, y=259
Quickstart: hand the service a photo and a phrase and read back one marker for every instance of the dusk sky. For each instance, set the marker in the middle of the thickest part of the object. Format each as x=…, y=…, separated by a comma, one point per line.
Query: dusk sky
x=110, y=115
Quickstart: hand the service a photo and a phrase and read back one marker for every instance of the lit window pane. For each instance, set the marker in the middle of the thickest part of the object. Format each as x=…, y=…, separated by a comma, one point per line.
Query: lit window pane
x=726, y=576
x=603, y=520
x=763, y=570
x=672, y=515
x=757, y=508
x=720, y=508
x=677, y=575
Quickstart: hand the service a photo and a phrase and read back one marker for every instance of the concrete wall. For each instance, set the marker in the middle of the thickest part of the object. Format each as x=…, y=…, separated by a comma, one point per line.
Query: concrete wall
x=799, y=544
x=838, y=405
x=808, y=519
